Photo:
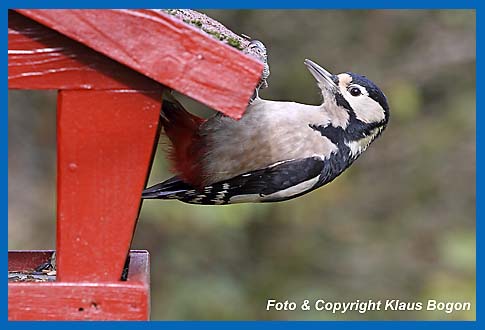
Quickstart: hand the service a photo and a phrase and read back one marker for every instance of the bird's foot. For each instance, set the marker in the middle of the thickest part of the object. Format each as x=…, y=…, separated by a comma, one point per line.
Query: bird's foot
x=257, y=50
x=48, y=267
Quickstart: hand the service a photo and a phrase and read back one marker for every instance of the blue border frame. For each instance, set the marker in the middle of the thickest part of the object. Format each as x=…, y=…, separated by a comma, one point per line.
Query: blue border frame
x=348, y=4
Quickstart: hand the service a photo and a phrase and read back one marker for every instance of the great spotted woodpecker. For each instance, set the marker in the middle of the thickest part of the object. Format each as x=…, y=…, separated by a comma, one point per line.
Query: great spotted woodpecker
x=278, y=150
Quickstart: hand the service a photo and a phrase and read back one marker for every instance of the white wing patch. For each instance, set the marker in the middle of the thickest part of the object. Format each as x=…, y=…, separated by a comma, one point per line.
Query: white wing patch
x=219, y=199
x=294, y=190
x=285, y=193
x=254, y=198
x=198, y=199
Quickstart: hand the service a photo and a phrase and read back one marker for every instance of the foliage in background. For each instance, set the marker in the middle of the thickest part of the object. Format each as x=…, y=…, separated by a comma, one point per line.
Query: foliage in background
x=400, y=224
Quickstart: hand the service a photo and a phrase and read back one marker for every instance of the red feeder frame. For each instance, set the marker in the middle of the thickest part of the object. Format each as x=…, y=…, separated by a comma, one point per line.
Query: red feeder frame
x=109, y=67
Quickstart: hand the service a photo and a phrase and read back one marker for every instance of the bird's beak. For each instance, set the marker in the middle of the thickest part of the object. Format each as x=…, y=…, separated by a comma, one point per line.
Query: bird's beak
x=323, y=77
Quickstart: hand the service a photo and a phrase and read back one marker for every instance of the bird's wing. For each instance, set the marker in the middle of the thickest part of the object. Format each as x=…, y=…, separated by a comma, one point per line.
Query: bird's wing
x=278, y=182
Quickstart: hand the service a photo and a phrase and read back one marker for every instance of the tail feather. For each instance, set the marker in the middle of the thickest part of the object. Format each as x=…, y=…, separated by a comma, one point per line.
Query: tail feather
x=166, y=190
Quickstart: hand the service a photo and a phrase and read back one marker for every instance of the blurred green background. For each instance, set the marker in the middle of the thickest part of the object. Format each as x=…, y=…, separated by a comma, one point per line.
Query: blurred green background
x=399, y=224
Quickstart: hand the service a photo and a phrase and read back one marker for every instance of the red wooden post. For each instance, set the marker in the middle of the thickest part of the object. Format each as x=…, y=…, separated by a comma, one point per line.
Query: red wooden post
x=105, y=141
x=109, y=67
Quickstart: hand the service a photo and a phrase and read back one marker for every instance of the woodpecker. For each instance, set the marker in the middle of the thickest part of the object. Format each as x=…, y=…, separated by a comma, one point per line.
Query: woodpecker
x=278, y=150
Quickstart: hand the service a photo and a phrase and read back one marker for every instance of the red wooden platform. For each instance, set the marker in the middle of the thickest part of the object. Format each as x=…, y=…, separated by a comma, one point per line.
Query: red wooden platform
x=109, y=67
x=127, y=300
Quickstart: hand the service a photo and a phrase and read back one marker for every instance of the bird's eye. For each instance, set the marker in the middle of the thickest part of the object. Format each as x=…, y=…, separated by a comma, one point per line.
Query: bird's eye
x=354, y=91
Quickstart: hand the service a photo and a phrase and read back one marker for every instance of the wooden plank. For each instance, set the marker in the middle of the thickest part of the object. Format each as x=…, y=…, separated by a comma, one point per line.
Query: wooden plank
x=164, y=48
x=129, y=300
x=27, y=260
x=41, y=58
x=105, y=141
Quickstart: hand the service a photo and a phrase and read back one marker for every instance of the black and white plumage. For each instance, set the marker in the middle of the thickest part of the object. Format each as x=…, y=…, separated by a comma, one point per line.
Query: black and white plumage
x=278, y=150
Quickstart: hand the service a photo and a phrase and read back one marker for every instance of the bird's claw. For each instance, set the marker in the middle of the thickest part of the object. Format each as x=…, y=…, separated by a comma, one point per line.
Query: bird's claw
x=47, y=267
x=257, y=49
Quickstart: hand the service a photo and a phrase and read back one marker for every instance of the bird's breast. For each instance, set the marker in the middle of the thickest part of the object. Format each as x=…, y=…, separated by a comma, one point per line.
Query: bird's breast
x=268, y=133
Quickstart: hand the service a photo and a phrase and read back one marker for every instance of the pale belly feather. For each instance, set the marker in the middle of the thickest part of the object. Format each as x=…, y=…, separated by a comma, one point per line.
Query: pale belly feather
x=262, y=137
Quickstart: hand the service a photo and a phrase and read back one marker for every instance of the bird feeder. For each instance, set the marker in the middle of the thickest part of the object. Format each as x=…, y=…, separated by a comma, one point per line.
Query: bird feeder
x=109, y=68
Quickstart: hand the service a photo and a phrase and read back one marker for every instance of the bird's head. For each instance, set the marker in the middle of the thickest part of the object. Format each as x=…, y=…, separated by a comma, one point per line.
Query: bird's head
x=353, y=93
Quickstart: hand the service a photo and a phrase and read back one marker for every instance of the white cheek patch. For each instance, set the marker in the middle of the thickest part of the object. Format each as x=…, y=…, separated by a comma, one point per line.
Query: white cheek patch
x=365, y=108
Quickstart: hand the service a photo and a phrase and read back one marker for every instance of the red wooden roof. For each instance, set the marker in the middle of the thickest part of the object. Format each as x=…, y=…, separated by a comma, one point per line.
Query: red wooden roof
x=157, y=46
x=109, y=67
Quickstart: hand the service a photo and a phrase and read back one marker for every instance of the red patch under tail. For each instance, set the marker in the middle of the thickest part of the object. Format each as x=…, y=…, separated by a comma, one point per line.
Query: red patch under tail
x=181, y=127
